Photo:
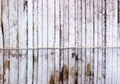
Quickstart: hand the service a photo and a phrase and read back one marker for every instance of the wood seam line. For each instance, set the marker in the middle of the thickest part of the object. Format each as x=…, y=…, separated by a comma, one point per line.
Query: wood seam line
x=59, y=47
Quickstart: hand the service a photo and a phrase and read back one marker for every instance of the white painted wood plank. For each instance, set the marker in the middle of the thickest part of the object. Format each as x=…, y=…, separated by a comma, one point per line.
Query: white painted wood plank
x=35, y=45
x=57, y=41
x=95, y=39
x=45, y=39
x=114, y=40
x=30, y=42
x=83, y=41
x=13, y=26
x=78, y=75
x=61, y=41
x=40, y=56
x=89, y=41
x=65, y=42
x=72, y=38
x=103, y=43
x=99, y=76
x=6, y=40
x=118, y=41
x=51, y=40
x=1, y=58
x=109, y=28
x=22, y=25
x=1, y=45
x=118, y=62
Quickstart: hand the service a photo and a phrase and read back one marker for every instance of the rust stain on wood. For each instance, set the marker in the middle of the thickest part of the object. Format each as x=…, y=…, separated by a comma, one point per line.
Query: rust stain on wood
x=76, y=78
x=52, y=79
x=88, y=70
x=57, y=80
x=7, y=64
x=64, y=73
x=113, y=8
x=1, y=76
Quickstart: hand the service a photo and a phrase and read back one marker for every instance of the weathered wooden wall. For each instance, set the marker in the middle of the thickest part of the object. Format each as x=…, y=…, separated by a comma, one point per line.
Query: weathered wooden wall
x=59, y=23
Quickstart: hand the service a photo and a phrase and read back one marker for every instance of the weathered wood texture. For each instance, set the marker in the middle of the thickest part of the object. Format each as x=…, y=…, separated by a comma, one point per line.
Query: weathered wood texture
x=59, y=23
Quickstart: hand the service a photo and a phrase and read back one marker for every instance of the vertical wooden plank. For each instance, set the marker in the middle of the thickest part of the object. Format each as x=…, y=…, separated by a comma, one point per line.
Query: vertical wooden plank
x=95, y=39
x=118, y=41
x=45, y=43
x=78, y=58
x=114, y=40
x=99, y=76
x=30, y=43
x=89, y=41
x=22, y=25
x=83, y=40
x=61, y=41
x=103, y=41
x=13, y=26
x=40, y=56
x=112, y=37
x=72, y=38
x=35, y=45
x=5, y=24
x=1, y=45
x=65, y=38
x=1, y=58
x=109, y=29
x=64, y=41
x=57, y=41
x=51, y=38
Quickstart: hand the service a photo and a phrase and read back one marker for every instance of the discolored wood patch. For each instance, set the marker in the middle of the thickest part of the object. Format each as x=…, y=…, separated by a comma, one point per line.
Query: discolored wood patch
x=88, y=70
x=52, y=79
x=1, y=76
x=76, y=78
x=73, y=54
x=64, y=74
x=57, y=79
x=25, y=4
x=7, y=64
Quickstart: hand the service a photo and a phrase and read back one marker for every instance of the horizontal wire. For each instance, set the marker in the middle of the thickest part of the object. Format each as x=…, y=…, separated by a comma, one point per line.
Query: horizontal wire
x=59, y=48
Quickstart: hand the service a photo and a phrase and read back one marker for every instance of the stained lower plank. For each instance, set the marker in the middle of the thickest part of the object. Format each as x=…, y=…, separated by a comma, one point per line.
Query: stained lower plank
x=5, y=25
x=51, y=40
x=72, y=39
x=57, y=40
